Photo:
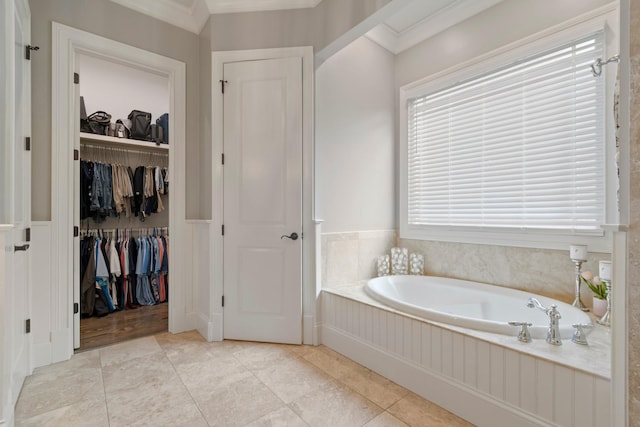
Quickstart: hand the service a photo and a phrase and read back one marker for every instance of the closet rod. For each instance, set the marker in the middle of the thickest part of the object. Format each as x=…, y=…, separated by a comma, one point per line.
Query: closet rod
x=122, y=150
x=148, y=230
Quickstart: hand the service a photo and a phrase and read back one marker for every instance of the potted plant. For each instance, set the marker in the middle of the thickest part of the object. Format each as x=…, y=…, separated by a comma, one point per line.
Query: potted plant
x=599, y=290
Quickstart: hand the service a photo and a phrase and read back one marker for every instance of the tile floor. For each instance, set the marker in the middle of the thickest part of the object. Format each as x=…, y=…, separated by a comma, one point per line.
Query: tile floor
x=182, y=380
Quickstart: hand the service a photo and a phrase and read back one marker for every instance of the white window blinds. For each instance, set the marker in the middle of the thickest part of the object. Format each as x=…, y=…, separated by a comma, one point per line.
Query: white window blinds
x=521, y=147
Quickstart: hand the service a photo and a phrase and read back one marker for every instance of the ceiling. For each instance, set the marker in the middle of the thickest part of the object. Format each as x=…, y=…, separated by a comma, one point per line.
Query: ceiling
x=417, y=21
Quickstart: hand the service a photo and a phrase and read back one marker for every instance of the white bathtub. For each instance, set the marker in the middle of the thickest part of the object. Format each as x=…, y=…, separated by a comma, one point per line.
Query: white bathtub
x=471, y=305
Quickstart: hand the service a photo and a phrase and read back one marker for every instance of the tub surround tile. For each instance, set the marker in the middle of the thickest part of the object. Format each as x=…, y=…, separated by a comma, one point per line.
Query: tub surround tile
x=350, y=256
x=546, y=272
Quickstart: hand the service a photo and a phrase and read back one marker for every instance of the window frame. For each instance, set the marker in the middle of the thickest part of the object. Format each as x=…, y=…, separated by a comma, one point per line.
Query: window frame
x=532, y=45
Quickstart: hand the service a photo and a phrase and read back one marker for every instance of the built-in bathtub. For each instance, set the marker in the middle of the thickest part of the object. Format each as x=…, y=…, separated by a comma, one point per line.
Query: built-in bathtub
x=471, y=305
x=485, y=377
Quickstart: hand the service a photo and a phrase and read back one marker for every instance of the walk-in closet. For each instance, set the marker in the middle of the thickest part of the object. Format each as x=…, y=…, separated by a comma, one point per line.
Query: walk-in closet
x=122, y=202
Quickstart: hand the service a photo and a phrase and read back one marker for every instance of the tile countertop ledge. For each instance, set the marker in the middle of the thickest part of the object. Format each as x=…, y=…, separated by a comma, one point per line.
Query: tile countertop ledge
x=594, y=359
x=5, y=227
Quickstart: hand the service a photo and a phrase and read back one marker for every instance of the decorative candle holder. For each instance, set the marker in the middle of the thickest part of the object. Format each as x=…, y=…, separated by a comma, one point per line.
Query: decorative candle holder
x=399, y=260
x=605, y=320
x=578, y=254
x=382, y=263
x=604, y=268
x=577, y=302
x=416, y=264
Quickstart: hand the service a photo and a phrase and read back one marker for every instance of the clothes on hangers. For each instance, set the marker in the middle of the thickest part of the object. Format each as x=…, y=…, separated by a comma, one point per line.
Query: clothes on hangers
x=114, y=190
x=122, y=272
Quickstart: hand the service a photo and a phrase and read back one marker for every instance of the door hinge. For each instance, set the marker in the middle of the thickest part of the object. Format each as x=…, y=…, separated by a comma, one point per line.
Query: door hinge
x=76, y=231
x=76, y=78
x=223, y=300
x=27, y=51
x=223, y=158
x=76, y=155
x=27, y=326
x=76, y=308
x=223, y=229
x=27, y=143
x=222, y=83
x=27, y=234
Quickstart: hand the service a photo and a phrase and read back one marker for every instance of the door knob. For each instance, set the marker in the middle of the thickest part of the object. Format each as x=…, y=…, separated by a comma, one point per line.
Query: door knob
x=293, y=236
x=20, y=248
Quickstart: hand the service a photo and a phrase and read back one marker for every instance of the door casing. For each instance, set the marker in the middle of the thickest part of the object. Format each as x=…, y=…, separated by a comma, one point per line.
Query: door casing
x=310, y=289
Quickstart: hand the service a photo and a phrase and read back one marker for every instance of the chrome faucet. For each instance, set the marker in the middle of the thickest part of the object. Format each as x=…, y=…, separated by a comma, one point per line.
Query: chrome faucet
x=553, y=333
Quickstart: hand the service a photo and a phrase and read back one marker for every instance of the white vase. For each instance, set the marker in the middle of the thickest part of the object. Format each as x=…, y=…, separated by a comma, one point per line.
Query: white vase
x=599, y=307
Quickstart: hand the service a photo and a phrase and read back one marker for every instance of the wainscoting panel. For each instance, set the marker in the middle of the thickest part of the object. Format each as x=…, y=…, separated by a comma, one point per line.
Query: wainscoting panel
x=483, y=382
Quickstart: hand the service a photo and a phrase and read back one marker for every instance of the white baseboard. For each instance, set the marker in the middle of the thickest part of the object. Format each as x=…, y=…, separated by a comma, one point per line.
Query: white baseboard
x=215, y=333
x=41, y=354
x=308, y=322
x=475, y=407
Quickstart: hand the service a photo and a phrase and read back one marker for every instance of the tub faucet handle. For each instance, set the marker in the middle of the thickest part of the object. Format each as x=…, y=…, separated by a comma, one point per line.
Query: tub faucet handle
x=579, y=336
x=523, y=335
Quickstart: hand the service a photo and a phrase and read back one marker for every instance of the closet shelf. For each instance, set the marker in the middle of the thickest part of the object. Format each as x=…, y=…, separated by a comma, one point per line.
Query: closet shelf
x=110, y=141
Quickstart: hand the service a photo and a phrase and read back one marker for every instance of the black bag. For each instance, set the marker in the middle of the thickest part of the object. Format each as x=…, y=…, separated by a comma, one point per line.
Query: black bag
x=163, y=122
x=140, y=125
x=157, y=134
x=84, y=122
x=99, y=122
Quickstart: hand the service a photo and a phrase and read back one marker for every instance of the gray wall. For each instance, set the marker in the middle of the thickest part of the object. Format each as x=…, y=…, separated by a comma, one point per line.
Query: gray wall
x=115, y=22
x=317, y=27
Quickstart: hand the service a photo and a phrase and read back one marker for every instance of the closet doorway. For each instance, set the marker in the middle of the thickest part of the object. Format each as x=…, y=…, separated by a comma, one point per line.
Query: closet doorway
x=122, y=202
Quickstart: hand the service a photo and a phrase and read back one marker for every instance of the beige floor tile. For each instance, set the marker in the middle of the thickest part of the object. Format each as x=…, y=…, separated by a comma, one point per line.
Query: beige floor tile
x=77, y=362
x=331, y=362
x=283, y=417
x=335, y=405
x=188, y=352
x=167, y=339
x=301, y=350
x=151, y=403
x=186, y=415
x=142, y=347
x=88, y=413
x=239, y=403
x=292, y=378
x=218, y=372
x=44, y=392
x=374, y=387
x=154, y=369
x=261, y=355
x=385, y=420
x=416, y=411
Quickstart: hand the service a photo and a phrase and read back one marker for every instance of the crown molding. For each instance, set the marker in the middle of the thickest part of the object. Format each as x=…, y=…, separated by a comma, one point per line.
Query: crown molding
x=431, y=25
x=188, y=18
x=235, y=6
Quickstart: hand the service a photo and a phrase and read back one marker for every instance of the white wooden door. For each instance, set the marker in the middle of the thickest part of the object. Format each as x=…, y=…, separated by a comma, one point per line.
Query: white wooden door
x=17, y=285
x=263, y=200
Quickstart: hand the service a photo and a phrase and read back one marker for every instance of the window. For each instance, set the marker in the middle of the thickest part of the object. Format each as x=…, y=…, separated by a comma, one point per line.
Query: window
x=520, y=148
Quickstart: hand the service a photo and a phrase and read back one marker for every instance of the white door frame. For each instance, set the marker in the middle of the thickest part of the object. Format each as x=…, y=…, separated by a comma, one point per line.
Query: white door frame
x=309, y=287
x=67, y=43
